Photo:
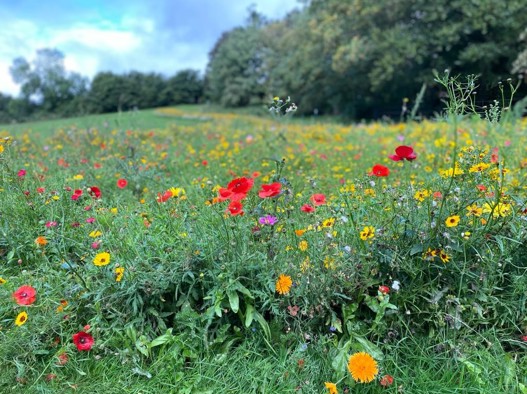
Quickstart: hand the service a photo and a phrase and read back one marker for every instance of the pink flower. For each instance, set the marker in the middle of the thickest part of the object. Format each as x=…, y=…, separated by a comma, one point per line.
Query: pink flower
x=22, y=173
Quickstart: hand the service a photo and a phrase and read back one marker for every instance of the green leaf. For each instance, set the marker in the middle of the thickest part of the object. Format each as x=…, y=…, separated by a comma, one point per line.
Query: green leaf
x=263, y=323
x=160, y=340
x=249, y=315
x=368, y=347
x=234, y=300
x=141, y=345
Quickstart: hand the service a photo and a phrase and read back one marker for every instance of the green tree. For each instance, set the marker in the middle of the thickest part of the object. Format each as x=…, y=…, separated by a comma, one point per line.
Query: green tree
x=46, y=81
x=185, y=87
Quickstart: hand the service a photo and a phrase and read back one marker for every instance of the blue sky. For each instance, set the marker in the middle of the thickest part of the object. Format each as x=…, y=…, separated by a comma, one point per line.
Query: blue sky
x=117, y=35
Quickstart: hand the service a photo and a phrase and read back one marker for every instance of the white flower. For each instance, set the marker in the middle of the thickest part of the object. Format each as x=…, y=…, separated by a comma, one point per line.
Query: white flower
x=396, y=285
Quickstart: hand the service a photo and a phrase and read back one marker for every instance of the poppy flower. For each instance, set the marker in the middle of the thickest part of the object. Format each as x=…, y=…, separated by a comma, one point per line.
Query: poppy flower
x=224, y=194
x=83, y=341
x=386, y=380
x=318, y=199
x=21, y=173
x=76, y=194
x=235, y=208
x=270, y=190
x=384, y=289
x=403, y=152
x=240, y=187
x=121, y=183
x=95, y=191
x=307, y=208
x=25, y=295
x=379, y=170
x=164, y=197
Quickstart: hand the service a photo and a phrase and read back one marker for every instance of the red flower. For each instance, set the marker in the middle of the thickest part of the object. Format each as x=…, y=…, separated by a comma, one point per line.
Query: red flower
x=40, y=190
x=240, y=187
x=21, y=173
x=524, y=338
x=83, y=340
x=379, y=170
x=224, y=194
x=270, y=190
x=386, y=380
x=235, y=208
x=403, y=152
x=318, y=199
x=307, y=208
x=164, y=197
x=95, y=191
x=121, y=183
x=384, y=289
x=76, y=194
x=25, y=295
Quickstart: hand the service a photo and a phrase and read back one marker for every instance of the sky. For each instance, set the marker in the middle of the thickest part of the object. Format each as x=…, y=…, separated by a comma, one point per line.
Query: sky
x=163, y=36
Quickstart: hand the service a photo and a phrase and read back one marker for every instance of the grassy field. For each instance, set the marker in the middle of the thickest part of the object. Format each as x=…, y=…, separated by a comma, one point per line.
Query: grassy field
x=199, y=251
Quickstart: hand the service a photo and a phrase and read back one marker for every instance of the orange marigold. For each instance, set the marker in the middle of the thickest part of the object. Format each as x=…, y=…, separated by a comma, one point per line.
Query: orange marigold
x=41, y=241
x=283, y=284
x=362, y=367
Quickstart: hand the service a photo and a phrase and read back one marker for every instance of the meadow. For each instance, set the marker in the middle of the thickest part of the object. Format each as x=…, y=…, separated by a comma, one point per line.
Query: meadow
x=184, y=250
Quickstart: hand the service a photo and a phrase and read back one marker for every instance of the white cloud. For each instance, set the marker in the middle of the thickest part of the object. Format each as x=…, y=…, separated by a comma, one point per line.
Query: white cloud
x=101, y=39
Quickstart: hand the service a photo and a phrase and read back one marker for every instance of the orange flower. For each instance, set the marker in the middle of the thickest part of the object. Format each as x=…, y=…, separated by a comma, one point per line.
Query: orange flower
x=283, y=284
x=41, y=241
x=362, y=367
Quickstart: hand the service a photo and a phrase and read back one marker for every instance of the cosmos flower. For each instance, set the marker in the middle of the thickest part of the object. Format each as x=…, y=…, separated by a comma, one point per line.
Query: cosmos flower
x=268, y=220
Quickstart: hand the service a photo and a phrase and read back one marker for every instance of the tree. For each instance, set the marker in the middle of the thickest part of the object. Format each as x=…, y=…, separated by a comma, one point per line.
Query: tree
x=46, y=81
x=185, y=87
x=235, y=76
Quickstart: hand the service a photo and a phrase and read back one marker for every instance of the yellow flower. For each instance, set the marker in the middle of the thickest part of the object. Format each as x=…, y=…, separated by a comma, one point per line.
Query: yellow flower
x=113, y=211
x=21, y=319
x=429, y=254
x=362, y=367
x=78, y=177
x=1, y=148
x=480, y=167
x=283, y=284
x=102, y=259
x=2, y=281
x=332, y=388
x=95, y=234
x=445, y=258
x=451, y=172
x=474, y=210
x=420, y=195
x=367, y=232
x=119, y=272
x=499, y=210
x=452, y=221
x=302, y=245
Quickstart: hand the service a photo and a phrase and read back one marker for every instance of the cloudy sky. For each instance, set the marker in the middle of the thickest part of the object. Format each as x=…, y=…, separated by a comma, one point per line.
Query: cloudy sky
x=122, y=35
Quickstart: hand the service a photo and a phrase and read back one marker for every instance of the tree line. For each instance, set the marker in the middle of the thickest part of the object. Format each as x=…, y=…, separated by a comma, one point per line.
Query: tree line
x=48, y=90
x=356, y=58
x=363, y=58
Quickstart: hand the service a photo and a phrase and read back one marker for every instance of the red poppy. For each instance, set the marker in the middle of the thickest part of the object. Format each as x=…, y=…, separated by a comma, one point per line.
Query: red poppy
x=403, y=152
x=384, y=289
x=318, y=199
x=121, y=183
x=40, y=190
x=235, y=208
x=164, y=197
x=270, y=190
x=25, y=295
x=240, y=187
x=76, y=194
x=379, y=170
x=307, y=208
x=83, y=340
x=224, y=194
x=386, y=380
x=95, y=191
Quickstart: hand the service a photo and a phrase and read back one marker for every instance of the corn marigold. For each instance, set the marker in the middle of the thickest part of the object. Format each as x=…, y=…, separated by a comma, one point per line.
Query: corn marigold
x=21, y=319
x=283, y=284
x=362, y=367
x=101, y=259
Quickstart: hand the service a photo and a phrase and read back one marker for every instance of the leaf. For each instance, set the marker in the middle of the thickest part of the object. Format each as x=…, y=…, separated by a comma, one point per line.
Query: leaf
x=416, y=249
x=234, y=300
x=162, y=339
x=141, y=345
x=263, y=323
x=369, y=348
x=523, y=388
x=249, y=315
x=340, y=361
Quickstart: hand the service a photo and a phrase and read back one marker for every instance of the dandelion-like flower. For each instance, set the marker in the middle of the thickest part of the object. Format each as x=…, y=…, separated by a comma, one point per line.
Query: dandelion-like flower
x=452, y=221
x=101, y=259
x=21, y=319
x=362, y=367
x=332, y=388
x=283, y=284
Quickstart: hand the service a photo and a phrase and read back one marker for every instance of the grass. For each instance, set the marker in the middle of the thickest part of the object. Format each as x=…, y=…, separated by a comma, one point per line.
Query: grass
x=196, y=310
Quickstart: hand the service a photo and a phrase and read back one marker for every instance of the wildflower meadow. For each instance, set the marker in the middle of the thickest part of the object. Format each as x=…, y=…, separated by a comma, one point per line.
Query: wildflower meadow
x=228, y=253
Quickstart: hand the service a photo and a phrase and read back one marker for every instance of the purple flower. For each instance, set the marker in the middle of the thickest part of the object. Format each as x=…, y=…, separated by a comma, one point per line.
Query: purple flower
x=267, y=220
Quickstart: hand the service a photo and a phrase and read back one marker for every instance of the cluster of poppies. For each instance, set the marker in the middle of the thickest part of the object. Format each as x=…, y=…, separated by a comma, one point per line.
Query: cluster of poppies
x=26, y=295
x=237, y=190
x=402, y=152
